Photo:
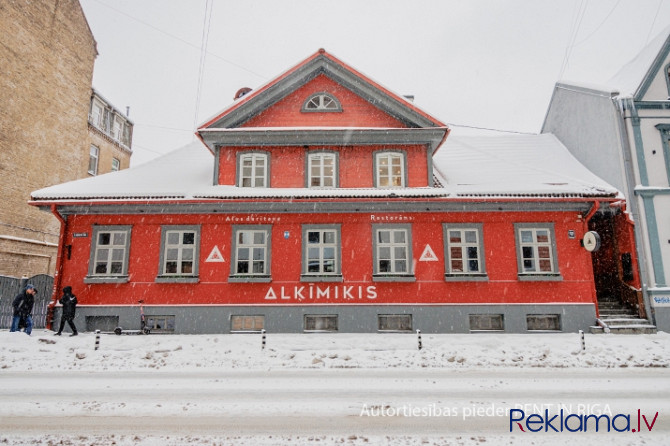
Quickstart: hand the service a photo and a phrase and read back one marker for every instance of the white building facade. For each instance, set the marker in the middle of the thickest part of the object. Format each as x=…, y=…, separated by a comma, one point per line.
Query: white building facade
x=621, y=132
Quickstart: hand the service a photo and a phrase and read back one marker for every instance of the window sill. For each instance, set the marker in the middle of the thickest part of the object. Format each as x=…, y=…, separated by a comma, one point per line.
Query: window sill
x=321, y=278
x=250, y=279
x=466, y=278
x=106, y=279
x=177, y=279
x=393, y=278
x=540, y=277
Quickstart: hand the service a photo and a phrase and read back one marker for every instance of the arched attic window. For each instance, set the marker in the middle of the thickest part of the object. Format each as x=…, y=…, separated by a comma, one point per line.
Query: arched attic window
x=322, y=102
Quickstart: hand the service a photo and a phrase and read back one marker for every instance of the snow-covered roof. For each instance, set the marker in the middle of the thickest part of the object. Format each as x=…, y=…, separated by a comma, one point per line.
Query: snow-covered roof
x=630, y=80
x=467, y=166
x=631, y=76
x=516, y=165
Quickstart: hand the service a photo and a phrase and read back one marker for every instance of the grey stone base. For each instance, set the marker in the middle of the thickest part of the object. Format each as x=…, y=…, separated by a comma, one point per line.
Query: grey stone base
x=350, y=319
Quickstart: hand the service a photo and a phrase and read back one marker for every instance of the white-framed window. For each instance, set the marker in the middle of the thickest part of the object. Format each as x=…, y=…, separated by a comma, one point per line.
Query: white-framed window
x=392, y=252
x=253, y=169
x=117, y=128
x=321, y=253
x=536, y=250
x=390, y=169
x=246, y=324
x=251, y=253
x=394, y=322
x=180, y=250
x=464, y=251
x=93, y=158
x=108, y=262
x=322, y=169
x=320, y=323
x=322, y=102
x=116, y=164
x=96, y=114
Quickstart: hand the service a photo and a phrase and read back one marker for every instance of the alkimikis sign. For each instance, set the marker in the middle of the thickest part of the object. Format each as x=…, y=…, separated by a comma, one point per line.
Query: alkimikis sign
x=572, y=422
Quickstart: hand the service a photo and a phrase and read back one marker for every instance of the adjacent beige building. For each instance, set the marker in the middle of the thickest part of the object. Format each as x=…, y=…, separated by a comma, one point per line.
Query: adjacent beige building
x=47, y=51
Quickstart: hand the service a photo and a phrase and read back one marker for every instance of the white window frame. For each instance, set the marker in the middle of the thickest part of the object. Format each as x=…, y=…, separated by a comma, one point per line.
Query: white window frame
x=321, y=102
x=387, y=160
x=116, y=165
x=317, y=161
x=97, y=113
x=255, y=159
x=388, y=251
x=257, y=251
x=466, y=246
x=183, y=251
x=113, y=253
x=117, y=127
x=320, y=248
x=534, y=253
x=93, y=159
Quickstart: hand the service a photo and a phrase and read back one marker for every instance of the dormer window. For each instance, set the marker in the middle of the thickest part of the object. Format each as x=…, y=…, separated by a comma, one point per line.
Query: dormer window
x=390, y=169
x=322, y=102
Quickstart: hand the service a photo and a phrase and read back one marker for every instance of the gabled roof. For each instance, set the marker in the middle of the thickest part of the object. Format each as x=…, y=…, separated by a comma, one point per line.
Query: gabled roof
x=319, y=63
x=635, y=77
x=516, y=166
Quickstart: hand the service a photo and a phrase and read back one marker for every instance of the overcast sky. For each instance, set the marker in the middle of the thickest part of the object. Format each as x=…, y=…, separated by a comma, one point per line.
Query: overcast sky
x=470, y=63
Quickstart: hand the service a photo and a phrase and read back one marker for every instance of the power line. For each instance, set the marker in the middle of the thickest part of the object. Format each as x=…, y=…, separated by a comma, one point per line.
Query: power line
x=186, y=42
x=574, y=31
x=203, y=57
x=654, y=22
x=599, y=26
x=451, y=124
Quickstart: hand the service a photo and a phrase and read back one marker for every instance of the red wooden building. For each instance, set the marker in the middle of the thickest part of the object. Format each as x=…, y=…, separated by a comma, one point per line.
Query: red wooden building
x=322, y=201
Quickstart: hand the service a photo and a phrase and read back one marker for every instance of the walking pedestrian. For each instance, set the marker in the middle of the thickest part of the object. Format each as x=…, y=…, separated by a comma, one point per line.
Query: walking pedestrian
x=23, y=309
x=69, y=303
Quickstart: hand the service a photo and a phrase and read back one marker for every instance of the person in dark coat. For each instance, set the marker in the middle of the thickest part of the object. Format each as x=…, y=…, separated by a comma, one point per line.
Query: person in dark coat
x=23, y=309
x=69, y=303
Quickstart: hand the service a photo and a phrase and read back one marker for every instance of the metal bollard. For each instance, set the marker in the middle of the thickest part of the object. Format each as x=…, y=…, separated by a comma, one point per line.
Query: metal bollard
x=97, y=339
x=418, y=334
x=263, y=339
x=581, y=333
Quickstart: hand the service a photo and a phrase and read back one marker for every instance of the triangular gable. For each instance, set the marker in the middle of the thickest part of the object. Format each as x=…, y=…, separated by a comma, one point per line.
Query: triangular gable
x=636, y=77
x=319, y=63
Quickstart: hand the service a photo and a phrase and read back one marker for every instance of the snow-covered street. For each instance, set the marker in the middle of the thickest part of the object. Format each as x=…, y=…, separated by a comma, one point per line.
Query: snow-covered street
x=325, y=389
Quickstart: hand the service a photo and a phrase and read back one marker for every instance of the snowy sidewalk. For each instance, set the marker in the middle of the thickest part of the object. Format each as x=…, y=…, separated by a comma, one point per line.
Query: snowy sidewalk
x=43, y=351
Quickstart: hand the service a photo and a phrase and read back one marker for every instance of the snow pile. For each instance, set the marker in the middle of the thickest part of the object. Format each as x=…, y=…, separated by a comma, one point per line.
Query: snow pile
x=43, y=351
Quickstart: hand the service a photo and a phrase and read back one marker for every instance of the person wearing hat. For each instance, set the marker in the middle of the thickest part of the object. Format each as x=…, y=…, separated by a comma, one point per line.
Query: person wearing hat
x=69, y=303
x=23, y=309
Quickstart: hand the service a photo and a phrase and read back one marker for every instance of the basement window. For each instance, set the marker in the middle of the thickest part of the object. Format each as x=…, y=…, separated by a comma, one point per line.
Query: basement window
x=320, y=323
x=487, y=322
x=543, y=322
x=246, y=324
x=395, y=322
x=160, y=324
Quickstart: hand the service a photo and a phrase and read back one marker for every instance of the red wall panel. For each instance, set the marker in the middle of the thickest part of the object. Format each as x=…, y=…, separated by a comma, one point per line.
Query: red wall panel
x=430, y=287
